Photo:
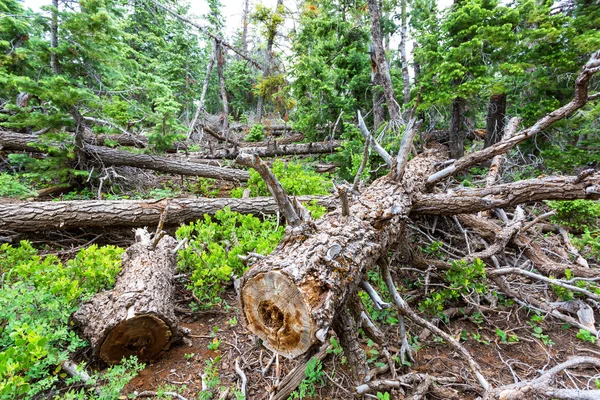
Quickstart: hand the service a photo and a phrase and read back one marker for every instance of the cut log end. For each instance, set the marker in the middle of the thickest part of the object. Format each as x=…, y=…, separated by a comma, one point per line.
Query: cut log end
x=143, y=336
x=277, y=313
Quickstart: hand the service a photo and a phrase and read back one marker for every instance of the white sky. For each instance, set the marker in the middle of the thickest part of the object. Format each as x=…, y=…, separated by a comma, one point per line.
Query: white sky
x=232, y=9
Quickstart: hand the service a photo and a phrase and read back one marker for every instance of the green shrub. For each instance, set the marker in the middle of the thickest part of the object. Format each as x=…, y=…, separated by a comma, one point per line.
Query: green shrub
x=11, y=187
x=314, y=376
x=296, y=178
x=37, y=296
x=462, y=279
x=576, y=213
x=214, y=246
x=257, y=133
x=588, y=244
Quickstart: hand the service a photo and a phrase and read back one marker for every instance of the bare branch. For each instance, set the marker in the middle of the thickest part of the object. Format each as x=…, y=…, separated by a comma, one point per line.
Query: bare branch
x=405, y=146
x=274, y=186
x=467, y=201
x=208, y=33
x=369, y=138
x=579, y=100
x=494, y=170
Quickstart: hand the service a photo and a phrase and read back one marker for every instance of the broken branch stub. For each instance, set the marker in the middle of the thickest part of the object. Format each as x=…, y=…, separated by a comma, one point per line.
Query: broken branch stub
x=283, y=202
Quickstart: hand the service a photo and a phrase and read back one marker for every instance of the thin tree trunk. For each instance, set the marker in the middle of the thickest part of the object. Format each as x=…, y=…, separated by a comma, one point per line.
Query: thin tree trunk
x=54, y=64
x=380, y=59
x=200, y=109
x=457, y=131
x=378, y=96
x=245, y=26
x=403, y=58
x=225, y=115
x=495, y=119
x=267, y=67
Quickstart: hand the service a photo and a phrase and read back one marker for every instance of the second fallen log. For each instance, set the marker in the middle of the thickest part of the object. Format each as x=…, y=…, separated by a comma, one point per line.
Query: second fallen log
x=137, y=317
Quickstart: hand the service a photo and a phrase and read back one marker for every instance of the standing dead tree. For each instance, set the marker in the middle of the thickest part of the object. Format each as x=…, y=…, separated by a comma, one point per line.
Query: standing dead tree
x=293, y=298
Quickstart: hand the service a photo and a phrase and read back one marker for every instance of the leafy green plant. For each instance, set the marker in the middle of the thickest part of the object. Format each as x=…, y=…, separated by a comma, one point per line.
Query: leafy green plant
x=463, y=279
x=576, y=213
x=505, y=337
x=479, y=339
x=535, y=321
x=37, y=296
x=296, y=178
x=256, y=134
x=214, y=344
x=383, y=396
x=214, y=246
x=586, y=336
x=11, y=187
x=314, y=375
x=588, y=244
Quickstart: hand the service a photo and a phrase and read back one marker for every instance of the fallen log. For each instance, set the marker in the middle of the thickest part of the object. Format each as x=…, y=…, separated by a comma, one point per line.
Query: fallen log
x=114, y=157
x=275, y=150
x=34, y=216
x=163, y=164
x=44, y=216
x=137, y=317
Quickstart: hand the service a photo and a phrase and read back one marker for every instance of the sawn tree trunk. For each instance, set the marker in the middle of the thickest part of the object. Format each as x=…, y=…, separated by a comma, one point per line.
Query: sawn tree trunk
x=137, y=317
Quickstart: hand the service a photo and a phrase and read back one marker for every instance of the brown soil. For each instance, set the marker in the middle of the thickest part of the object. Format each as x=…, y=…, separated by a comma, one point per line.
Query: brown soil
x=181, y=368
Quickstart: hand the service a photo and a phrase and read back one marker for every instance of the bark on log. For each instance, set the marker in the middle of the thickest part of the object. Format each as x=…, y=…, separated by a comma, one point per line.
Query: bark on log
x=164, y=164
x=275, y=150
x=104, y=155
x=44, y=216
x=290, y=298
x=137, y=317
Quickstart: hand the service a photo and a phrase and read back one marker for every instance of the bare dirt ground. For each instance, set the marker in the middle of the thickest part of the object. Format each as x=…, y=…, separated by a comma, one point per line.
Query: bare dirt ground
x=181, y=368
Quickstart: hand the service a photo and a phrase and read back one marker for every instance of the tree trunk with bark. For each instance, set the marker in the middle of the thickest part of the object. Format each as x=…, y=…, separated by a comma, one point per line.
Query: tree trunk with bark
x=52, y=215
x=54, y=63
x=496, y=114
x=378, y=95
x=457, y=130
x=115, y=157
x=137, y=317
x=200, y=109
x=223, y=91
x=403, y=57
x=382, y=64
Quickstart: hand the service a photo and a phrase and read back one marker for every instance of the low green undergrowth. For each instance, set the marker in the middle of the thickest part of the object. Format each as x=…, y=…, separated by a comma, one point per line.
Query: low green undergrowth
x=37, y=296
x=576, y=213
x=461, y=279
x=10, y=186
x=214, y=246
x=297, y=179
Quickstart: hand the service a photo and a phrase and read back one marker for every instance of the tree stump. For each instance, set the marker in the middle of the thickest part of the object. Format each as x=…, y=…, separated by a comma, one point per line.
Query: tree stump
x=137, y=317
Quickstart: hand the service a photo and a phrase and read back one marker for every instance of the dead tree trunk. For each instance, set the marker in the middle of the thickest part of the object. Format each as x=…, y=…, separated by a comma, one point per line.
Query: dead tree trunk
x=200, y=109
x=245, y=14
x=457, y=131
x=378, y=96
x=116, y=157
x=52, y=215
x=225, y=114
x=495, y=119
x=403, y=57
x=137, y=317
x=382, y=64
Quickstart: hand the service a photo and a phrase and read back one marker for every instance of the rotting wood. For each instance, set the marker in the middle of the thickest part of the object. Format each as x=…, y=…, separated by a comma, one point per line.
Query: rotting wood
x=137, y=317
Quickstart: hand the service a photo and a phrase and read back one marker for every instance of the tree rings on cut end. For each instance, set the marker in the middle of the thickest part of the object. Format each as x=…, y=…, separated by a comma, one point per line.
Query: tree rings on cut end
x=143, y=336
x=276, y=312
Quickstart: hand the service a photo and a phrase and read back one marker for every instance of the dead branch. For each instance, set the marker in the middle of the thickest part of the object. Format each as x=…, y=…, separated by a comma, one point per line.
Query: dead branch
x=541, y=385
x=369, y=138
x=580, y=98
x=283, y=202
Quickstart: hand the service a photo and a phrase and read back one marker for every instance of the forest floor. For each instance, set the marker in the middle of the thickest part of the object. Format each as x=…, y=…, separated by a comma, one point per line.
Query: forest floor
x=181, y=369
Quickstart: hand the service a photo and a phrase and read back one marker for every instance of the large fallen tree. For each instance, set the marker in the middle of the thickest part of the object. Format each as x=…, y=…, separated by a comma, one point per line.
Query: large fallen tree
x=307, y=287
x=113, y=157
